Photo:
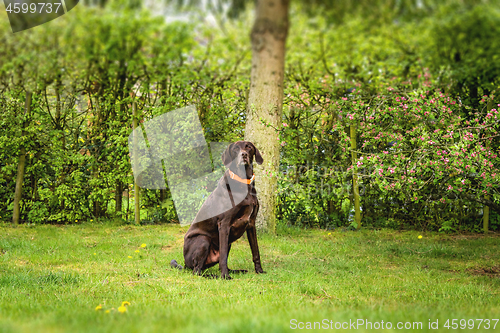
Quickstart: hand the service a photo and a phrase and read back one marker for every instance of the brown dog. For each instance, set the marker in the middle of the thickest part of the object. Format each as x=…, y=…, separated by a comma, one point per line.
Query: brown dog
x=208, y=240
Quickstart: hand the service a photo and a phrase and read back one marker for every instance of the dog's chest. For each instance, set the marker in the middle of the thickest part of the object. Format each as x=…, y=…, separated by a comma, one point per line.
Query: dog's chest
x=241, y=221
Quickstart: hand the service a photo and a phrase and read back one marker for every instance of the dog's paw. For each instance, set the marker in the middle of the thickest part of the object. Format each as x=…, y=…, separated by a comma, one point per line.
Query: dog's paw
x=259, y=271
x=225, y=276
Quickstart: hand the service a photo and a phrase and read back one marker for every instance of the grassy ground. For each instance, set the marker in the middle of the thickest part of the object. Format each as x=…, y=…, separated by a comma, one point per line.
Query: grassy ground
x=53, y=277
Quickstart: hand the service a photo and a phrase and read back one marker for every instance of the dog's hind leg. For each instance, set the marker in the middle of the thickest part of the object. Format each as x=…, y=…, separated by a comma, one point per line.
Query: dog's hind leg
x=197, y=254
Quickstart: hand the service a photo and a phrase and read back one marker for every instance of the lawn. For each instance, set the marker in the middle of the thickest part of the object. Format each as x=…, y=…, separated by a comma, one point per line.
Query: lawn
x=52, y=278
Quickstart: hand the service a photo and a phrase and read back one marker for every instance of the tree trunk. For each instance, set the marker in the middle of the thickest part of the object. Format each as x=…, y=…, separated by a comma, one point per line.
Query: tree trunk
x=58, y=121
x=486, y=209
x=118, y=198
x=265, y=100
x=137, y=212
x=355, y=184
x=128, y=203
x=20, y=166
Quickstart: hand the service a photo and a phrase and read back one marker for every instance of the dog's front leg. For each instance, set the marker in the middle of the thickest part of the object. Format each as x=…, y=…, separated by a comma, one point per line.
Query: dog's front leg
x=224, y=226
x=252, y=239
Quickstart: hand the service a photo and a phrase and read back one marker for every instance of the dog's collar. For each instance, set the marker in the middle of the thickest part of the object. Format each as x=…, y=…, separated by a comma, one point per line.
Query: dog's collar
x=244, y=181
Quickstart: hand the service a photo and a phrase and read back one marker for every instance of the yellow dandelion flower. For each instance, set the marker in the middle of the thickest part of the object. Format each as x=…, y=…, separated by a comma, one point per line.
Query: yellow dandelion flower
x=107, y=311
x=137, y=251
x=130, y=257
x=99, y=307
x=95, y=253
x=143, y=245
x=91, y=220
x=125, y=303
x=329, y=233
x=122, y=309
x=420, y=237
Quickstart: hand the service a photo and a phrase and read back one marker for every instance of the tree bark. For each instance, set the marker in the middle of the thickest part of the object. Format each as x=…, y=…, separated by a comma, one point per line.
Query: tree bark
x=355, y=184
x=128, y=203
x=118, y=198
x=137, y=190
x=265, y=100
x=20, y=166
x=486, y=209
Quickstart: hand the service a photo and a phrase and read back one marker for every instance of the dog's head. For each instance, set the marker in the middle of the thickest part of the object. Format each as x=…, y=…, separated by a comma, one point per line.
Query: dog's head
x=241, y=153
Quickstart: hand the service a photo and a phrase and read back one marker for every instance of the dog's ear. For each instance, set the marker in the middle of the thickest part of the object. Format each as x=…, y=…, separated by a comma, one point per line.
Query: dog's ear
x=226, y=155
x=258, y=156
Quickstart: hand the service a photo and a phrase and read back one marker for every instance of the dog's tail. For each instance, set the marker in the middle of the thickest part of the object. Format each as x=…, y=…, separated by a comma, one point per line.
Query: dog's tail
x=174, y=264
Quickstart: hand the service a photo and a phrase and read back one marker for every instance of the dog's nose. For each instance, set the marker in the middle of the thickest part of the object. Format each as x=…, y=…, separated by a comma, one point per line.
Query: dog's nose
x=244, y=154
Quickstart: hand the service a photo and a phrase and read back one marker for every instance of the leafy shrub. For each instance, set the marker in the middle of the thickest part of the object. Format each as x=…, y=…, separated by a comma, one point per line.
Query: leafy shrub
x=423, y=158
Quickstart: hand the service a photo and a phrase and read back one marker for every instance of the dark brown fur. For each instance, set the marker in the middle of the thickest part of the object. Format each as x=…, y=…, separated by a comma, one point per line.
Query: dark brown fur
x=208, y=242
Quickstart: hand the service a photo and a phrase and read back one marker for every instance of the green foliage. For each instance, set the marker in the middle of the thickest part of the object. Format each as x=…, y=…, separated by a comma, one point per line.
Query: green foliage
x=464, y=49
x=419, y=161
x=380, y=69
x=86, y=69
x=85, y=72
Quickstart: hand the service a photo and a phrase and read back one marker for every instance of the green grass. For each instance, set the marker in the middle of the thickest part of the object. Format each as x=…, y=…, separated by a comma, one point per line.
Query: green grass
x=53, y=277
